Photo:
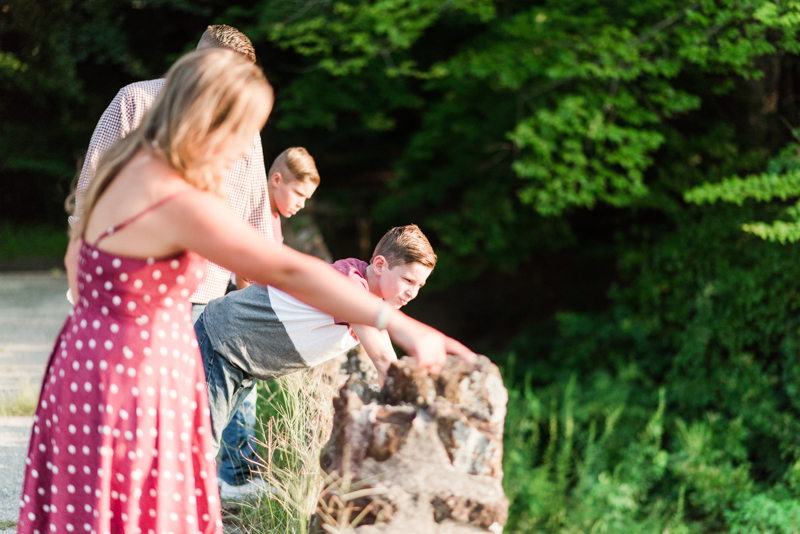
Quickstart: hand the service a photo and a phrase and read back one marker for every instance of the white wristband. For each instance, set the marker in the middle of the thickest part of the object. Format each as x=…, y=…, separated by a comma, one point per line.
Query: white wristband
x=382, y=320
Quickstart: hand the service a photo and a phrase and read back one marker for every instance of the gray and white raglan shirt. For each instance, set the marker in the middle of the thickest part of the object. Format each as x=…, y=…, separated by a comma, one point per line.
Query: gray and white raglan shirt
x=267, y=333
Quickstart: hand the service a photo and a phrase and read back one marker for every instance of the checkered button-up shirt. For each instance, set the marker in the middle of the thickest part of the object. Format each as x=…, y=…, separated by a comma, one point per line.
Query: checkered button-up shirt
x=246, y=185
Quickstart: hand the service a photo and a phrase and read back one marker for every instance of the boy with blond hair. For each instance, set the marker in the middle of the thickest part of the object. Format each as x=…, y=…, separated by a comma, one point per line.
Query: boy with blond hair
x=262, y=332
x=293, y=178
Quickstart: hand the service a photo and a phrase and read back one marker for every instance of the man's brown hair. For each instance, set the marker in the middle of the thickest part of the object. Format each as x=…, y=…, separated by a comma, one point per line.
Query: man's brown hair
x=405, y=244
x=295, y=163
x=224, y=36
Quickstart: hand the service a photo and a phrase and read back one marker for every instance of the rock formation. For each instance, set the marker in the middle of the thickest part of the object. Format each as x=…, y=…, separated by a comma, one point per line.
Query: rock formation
x=422, y=456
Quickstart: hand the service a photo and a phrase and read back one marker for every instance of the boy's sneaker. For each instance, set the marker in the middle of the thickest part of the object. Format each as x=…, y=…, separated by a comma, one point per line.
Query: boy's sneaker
x=248, y=489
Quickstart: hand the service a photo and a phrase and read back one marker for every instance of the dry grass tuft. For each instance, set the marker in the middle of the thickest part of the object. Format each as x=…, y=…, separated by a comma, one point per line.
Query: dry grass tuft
x=344, y=505
x=21, y=402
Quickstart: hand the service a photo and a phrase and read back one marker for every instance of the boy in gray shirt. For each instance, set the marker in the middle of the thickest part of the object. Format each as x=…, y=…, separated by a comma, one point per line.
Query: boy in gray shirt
x=262, y=332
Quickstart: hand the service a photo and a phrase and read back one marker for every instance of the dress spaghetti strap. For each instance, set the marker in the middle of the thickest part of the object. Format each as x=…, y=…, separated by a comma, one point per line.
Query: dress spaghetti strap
x=127, y=222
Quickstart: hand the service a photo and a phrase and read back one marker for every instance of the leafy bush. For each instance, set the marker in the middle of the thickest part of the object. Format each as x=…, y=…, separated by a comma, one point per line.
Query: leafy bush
x=709, y=314
x=565, y=472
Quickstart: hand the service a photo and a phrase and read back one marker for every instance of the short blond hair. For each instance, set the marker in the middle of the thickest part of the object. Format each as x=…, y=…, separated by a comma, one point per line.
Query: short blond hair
x=298, y=163
x=210, y=98
x=405, y=244
x=224, y=36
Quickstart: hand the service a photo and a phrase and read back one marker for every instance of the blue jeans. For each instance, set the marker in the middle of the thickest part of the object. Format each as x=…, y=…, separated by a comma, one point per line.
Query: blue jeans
x=232, y=418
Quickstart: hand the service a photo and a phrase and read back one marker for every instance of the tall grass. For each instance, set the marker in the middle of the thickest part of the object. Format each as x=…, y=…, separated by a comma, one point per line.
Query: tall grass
x=296, y=417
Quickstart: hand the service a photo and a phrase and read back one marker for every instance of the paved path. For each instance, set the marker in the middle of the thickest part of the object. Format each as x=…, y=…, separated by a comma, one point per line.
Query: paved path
x=14, y=435
x=32, y=310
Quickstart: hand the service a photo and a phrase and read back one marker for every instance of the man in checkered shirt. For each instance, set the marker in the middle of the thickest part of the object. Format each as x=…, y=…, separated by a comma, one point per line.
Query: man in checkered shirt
x=246, y=184
x=246, y=187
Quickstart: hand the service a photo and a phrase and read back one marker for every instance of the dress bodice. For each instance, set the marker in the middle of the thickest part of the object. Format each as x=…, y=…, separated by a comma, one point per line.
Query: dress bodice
x=136, y=288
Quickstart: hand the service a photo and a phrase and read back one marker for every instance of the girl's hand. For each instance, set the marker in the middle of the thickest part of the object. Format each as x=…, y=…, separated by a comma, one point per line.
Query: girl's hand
x=426, y=345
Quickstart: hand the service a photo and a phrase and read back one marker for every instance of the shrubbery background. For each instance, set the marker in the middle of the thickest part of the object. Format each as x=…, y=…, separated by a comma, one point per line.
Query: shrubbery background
x=611, y=188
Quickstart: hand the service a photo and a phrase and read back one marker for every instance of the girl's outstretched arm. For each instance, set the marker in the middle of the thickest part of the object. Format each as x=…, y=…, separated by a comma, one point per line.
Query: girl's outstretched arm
x=202, y=222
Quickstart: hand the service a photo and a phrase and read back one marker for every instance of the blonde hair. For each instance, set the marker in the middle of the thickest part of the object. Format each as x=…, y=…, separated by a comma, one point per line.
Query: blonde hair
x=299, y=164
x=211, y=97
x=405, y=244
x=224, y=36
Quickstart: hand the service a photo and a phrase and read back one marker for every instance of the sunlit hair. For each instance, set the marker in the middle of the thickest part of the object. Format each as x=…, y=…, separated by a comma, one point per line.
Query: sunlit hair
x=405, y=244
x=224, y=36
x=299, y=164
x=212, y=104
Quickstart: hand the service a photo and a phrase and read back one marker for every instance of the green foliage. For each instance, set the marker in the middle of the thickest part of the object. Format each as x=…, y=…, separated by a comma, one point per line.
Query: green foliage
x=554, y=488
x=31, y=242
x=781, y=182
x=762, y=187
x=780, y=231
x=761, y=515
x=710, y=315
x=60, y=65
x=524, y=112
x=561, y=477
x=347, y=36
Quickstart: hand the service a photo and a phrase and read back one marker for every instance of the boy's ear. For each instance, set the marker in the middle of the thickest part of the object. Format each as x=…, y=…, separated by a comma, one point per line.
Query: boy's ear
x=275, y=179
x=379, y=263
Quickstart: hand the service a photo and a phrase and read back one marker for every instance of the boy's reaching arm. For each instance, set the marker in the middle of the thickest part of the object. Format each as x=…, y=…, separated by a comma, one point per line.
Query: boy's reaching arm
x=378, y=347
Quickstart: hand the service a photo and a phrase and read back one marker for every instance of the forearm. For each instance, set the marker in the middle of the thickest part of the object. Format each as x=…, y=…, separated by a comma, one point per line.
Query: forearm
x=210, y=229
x=378, y=347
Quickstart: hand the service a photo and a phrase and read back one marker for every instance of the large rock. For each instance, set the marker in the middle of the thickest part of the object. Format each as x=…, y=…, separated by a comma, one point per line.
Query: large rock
x=339, y=369
x=422, y=456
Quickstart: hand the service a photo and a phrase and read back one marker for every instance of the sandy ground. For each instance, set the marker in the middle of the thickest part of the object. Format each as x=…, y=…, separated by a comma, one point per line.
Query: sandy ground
x=32, y=310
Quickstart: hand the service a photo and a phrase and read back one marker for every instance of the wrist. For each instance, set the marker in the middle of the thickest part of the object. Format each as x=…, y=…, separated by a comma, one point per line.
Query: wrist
x=384, y=315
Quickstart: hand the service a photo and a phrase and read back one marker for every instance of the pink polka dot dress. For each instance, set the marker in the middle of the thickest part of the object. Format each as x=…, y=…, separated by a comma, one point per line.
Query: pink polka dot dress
x=121, y=438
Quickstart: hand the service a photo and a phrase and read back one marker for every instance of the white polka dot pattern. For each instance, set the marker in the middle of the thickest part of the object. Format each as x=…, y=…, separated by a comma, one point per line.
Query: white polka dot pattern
x=119, y=394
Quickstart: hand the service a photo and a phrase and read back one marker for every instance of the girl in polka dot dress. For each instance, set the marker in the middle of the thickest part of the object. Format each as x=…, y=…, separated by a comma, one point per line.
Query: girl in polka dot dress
x=121, y=438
